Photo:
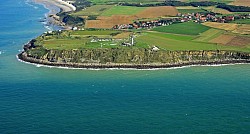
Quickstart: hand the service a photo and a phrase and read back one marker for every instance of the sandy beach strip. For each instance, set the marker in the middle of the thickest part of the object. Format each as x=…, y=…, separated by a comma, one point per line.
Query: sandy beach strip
x=66, y=7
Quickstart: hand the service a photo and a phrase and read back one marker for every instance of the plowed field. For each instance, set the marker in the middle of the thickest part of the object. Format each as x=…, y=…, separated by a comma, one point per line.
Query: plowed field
x=109, y=22
x=241, y=3
x=224, y=26
x=154, y=12
x=223, y=39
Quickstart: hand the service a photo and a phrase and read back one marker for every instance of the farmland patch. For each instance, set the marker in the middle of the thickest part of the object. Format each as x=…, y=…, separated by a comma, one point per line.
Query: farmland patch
x=223, y=26
x=223, y=39
x=109, y=22
x=123, y=10
x=241, y=3
x=188, y=28
x=93, y=10
x=208, y=35
x=239, y=41
x=154, y=12
x=243, y=29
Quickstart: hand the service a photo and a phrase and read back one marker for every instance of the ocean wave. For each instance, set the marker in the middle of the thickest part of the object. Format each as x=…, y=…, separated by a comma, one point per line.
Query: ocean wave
x=48, y=27
x=28, y=2
x=2, y=52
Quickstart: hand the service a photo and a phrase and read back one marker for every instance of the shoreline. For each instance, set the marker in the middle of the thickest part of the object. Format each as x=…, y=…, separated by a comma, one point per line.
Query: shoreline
x=23, y=58
x=51, y=4
x=64, y=6
x=54, y=7
x=152, y=69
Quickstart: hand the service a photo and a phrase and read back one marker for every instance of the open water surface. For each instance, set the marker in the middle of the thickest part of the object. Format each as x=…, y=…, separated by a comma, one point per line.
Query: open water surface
x=51, y=100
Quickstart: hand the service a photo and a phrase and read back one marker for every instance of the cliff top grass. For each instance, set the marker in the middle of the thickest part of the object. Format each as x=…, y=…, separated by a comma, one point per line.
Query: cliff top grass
x=82, y=39
x=68, y=40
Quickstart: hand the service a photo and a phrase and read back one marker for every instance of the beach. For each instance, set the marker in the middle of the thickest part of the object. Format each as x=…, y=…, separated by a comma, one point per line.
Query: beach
x=64, y=6
x=54, y=7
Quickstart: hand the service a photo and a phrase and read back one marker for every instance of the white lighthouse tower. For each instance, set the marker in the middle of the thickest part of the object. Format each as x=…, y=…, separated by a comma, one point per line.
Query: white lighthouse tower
x=132, y=40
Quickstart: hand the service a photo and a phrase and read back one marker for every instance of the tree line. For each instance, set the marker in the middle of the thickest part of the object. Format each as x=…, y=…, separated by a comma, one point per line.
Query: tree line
x=230, y=8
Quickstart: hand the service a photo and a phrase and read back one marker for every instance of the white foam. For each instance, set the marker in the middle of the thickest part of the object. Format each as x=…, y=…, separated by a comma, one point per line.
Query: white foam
x=28, y=2
x=2, y=52
x=48, y=27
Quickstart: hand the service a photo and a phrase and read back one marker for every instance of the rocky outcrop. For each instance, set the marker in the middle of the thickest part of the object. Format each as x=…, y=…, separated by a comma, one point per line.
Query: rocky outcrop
x=130, y=57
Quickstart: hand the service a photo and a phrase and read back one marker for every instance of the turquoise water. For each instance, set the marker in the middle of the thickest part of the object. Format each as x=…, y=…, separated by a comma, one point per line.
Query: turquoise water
x=49, y=100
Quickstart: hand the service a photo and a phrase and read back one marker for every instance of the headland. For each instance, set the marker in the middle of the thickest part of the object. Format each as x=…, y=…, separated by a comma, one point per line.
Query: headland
x=160, y=35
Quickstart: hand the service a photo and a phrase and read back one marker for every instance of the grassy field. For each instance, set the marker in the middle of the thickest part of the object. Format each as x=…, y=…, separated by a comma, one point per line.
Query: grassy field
x=183, y=11
x=188, y=28
x=245, y=21
x=221, y=1
x=69, y=44
x=129, y=1
x=94, y=33
x=64, y=44
x=179, y=43
x=123, y=10
x=83, y=39
x=93, y=10
x=190, y=9
x=208, y=40
x=217, y=10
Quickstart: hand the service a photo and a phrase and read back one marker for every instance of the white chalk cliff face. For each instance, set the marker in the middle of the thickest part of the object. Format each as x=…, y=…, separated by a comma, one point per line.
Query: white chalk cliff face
x=64, y=5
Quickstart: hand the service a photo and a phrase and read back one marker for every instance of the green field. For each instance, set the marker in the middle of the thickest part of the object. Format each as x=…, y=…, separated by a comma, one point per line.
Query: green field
x=129, y=1
x=166, y=42
x=69, y=40
x=79, y=39
x=123, y=10
x=70, y=44
x=177, y=43
x=150, y=1
x=94, y=33
x=214, y=9
x=242, y=21
x=221, y=1
x=64, y=44
x=188, y=28
x=189, y=9
x=183, y=11
x=93, y=10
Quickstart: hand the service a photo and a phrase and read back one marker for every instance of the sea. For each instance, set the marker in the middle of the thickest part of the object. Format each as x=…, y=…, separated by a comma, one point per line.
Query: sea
x=43, y=100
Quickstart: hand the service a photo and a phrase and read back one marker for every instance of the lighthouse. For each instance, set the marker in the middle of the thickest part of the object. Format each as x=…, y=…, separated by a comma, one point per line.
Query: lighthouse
x=132, y=40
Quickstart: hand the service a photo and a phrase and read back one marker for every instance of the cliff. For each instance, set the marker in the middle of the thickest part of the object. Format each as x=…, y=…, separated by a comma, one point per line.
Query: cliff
x=129, y=57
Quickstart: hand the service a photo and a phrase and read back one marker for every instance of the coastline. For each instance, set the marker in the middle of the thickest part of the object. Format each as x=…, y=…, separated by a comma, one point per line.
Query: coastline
x=54, y=7
x=24, y=58
x=59, y=67
x=50, y=4
x=64, y=6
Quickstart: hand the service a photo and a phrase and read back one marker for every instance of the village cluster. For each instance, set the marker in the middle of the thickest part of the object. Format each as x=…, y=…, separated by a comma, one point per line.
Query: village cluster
x=195, y=17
